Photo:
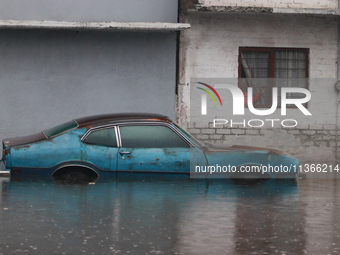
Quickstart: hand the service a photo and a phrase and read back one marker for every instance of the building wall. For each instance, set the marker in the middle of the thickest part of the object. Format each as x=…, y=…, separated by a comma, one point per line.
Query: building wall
x=90, y=10
x=327, y=4
x=210, y=50
x=49, y=77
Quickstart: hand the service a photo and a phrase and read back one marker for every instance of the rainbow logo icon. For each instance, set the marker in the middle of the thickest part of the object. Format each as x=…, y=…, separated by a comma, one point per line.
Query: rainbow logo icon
x=209, y=93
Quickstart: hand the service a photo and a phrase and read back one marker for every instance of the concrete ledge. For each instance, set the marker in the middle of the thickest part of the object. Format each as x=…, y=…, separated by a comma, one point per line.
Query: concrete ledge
x=231, y=9
x=105, y=26
x=332, y=12
x=261, y=10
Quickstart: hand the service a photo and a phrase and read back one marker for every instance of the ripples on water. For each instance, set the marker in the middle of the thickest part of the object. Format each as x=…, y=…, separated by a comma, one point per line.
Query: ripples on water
x=172, y=216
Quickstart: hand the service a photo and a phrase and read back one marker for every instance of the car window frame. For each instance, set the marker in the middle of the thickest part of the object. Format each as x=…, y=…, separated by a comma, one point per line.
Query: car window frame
x=137, y=123
x=172, y=127
x=91, y=130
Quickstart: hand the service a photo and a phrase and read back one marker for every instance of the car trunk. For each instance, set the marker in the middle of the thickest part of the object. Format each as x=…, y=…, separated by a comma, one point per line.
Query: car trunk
x=10, y=142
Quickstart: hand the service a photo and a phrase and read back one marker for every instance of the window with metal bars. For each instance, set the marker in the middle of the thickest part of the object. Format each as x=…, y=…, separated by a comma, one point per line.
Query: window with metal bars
x=265, y=68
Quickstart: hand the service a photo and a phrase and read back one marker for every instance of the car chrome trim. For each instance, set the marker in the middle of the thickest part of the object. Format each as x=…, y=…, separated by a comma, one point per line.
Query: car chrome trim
x=173, y=128
x=122, y=153
x=88, y=132
x=144, y=123
x=44, y=134
x=118, y=137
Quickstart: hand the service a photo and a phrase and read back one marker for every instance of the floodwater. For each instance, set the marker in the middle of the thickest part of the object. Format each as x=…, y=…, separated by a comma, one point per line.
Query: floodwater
x=171, y=216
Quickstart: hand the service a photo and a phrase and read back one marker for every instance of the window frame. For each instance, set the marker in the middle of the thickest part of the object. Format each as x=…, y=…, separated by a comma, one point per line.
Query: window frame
x=271, y=51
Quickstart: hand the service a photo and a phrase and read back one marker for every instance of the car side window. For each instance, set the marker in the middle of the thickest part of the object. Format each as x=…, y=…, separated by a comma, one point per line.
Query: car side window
x=150, y=136
x=102, y=137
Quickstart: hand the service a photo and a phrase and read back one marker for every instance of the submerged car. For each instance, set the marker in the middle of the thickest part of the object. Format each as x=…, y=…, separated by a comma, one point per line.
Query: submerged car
x=136, y=143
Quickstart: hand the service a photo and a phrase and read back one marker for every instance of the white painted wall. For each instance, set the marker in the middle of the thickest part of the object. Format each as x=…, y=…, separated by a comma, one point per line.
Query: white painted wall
x=210, y=50
x=211, y=45
x=327, y=4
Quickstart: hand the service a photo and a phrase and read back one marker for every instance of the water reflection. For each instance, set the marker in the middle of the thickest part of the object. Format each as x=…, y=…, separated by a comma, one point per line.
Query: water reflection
x=159, y=217
x=245, y=219
x=321, y=201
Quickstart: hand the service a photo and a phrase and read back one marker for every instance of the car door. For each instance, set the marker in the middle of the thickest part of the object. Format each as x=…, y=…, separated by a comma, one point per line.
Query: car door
x=100, y=148
x=152, y=148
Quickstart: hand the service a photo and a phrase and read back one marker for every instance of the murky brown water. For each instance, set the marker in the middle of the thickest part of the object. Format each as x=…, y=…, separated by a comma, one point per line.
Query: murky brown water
x=170, y=217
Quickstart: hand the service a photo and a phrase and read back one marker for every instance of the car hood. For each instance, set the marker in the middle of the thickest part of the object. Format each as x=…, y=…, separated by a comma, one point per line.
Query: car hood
x=213, y=148
x=10, y=142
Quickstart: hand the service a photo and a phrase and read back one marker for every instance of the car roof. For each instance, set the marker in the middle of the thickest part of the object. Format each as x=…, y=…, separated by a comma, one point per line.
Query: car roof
x=102, y=119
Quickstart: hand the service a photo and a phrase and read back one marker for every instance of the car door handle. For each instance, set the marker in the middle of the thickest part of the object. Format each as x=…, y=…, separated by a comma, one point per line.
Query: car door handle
x=124, y=153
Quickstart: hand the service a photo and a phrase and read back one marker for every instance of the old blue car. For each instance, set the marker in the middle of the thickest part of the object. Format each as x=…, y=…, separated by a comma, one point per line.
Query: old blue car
x=135, y=143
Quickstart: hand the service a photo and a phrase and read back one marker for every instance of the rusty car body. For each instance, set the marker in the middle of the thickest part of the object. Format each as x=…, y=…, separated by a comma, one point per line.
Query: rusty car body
x=102, y=145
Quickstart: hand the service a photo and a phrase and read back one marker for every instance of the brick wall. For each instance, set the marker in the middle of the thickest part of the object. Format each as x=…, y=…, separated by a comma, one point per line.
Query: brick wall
x=311, y=144
x=210, y=50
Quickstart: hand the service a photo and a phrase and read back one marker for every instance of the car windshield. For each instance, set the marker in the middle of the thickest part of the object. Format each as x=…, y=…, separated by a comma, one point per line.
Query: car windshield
x=62, y=128
x=188, y=135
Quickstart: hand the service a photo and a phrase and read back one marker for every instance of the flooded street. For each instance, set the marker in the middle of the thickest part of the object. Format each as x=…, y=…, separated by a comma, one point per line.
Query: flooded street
x=170, y=217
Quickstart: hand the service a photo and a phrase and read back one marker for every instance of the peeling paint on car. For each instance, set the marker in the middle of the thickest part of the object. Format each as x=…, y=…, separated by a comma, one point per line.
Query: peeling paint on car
x=39, y=155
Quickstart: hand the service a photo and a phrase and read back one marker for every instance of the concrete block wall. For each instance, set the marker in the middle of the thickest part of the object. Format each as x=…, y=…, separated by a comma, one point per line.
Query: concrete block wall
x=315, y=143
x=325, y=4
x=210, y=50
